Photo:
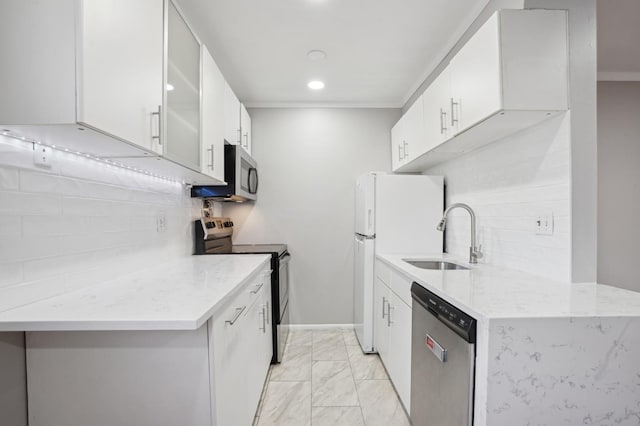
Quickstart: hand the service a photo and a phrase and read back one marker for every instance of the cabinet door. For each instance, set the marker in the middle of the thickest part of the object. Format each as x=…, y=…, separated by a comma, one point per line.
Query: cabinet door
x=397, y=144
x=231, y=116
x=399, y=366
x=182, y=143
x=231, y=349
x=437, y=101
x=475, y=77
x=245, y=125
x=212, y=146
x=414, y=131
x=119, y=70
x=380, y=322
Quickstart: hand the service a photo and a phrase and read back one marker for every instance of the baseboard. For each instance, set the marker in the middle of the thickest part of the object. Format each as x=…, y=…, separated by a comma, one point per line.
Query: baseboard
x=320, y=326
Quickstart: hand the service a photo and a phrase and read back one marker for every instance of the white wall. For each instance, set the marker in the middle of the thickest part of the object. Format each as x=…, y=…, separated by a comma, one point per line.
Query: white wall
x=618, y=178
x=81, y=221
x=308, y=162
x=508, y=184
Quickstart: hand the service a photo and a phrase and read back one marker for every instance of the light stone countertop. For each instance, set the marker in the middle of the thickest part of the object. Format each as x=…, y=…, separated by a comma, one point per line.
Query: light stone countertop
x=181, y=295
x=488, y=292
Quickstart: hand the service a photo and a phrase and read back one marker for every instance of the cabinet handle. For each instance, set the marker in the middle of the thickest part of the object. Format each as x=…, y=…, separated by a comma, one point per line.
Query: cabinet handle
x=454, y=105
x=211, y=157
x=158, y=137
x=399, y=152
x=389, y=308
x=263, y=328
x=257, y=289
x=239, y=312
x=384, y=300
x=246, y=140
x=406, y=149
x=443, y=120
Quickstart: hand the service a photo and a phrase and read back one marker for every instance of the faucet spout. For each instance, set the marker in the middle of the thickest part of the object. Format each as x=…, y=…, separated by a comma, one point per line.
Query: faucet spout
x=474, y=250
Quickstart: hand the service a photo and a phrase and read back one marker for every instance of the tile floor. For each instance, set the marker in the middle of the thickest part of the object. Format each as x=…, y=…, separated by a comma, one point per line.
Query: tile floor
x=325, y=379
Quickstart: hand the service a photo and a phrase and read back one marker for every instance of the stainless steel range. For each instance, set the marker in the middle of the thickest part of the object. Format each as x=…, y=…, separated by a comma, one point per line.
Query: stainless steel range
x=213, y=236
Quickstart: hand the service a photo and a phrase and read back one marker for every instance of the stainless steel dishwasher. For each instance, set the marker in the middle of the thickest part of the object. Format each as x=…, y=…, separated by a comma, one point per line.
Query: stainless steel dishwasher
x=442, y=361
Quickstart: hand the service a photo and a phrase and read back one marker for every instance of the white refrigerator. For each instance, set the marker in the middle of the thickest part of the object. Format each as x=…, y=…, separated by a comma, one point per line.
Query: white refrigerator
x=395, y=214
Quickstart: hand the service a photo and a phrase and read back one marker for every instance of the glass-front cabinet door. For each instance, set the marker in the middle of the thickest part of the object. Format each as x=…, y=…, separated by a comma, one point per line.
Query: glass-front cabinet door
x=183, y=92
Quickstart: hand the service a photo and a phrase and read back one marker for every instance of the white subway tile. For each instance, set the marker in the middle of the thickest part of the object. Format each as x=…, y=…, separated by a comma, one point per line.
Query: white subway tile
x=10, y=226
x=29, y=204
x=10, y=273
x=8, y=179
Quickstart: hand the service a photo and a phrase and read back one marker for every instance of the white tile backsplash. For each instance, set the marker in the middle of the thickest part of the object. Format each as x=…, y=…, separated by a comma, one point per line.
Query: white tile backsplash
x=79, y=221
x=509, y=183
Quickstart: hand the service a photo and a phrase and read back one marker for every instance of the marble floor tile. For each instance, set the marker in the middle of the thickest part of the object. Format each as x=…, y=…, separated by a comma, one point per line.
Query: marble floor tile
x=380, y=404
x=350, y=338
x=336, y=416
x=295, y=365
x=330, y=351
x=325, y=337
x=332, y=384
x=286, y=404
x=365, y=366
x=300, y=337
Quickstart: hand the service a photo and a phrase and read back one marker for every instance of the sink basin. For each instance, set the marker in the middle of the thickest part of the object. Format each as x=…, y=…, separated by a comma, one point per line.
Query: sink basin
x=435, y=264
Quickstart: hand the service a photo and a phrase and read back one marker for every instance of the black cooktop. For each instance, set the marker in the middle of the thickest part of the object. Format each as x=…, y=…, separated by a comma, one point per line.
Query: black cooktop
x=280, y=249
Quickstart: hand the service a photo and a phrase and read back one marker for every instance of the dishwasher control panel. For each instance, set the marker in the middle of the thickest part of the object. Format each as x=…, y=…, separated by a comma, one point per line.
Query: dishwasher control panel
x=456, y=319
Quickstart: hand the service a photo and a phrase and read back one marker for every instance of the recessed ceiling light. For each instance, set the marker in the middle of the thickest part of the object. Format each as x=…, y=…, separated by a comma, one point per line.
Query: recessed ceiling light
x=315, y=85
x=170, y=87
x=317, y=55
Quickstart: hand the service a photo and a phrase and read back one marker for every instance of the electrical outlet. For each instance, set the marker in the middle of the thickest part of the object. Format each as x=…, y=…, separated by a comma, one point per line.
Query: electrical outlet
x=161, y=222
x=544, y=224
x=42, y=156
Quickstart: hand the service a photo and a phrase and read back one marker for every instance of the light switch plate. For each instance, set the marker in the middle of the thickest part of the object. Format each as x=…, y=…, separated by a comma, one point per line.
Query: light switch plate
x=42, y=156
x=544, y=224
x=161, y=222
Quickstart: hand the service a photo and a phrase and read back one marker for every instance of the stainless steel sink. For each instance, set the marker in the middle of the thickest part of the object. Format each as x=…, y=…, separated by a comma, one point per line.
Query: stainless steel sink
x=435, y=264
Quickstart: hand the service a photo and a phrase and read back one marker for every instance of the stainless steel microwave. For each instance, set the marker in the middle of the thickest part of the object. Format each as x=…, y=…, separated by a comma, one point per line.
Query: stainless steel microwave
x=241, y=175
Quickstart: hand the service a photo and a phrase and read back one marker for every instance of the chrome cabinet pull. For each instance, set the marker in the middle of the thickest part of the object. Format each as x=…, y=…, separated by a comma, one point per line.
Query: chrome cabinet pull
x=239, y=312
x=399, y=152
x=158, y=137
x=443, y=119
x=257, y=289
x=263, y=327
x=406, y=149
x=384, y=300
x=246, y=140
x=211, y=157
x=454, y=105
x=389, y=308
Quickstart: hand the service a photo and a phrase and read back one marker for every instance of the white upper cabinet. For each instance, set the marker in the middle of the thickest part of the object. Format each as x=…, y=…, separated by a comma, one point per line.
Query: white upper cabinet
x=79, y=81
x=408, y=135
x=182, y=142
x=511, y=74
x=437, y=100
x=231, y=116
x=212, y=147
x=245, y=125
x=119, y=73
x=476, y=78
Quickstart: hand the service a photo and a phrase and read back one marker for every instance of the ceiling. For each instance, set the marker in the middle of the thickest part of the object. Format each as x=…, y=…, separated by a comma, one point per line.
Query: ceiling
x=378, y=51
x=619, y=36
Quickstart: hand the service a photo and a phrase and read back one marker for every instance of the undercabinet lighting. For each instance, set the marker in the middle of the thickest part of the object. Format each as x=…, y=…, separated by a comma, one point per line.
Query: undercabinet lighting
x=109, y=163
x=170, y=87
x=315, y=85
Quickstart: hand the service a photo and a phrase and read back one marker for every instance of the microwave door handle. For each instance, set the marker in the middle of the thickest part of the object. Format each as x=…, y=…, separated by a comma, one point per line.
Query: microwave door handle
x=255, y=172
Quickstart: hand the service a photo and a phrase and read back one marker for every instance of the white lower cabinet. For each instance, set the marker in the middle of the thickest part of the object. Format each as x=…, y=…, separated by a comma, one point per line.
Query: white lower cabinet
x=241, y=348
x=392, y=327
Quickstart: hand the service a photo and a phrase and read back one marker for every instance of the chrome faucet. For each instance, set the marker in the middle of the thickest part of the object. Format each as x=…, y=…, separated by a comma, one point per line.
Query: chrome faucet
x=474, y=251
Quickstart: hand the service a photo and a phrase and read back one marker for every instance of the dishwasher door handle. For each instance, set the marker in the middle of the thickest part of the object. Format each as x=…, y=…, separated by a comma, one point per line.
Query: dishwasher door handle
x=436, y=348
